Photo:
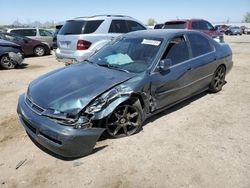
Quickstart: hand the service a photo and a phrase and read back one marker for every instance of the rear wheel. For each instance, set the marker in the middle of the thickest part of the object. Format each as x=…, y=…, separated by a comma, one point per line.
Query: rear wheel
x=125, y=120
x=7, y=62
x=218, y=80
x=39, y=51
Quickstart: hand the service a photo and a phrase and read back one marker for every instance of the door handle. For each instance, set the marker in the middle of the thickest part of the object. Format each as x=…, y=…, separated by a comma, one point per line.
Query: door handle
x=190, y=68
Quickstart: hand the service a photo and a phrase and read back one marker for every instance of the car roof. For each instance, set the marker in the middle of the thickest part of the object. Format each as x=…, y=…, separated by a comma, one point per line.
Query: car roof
x=102, y=17
x=185, y=20
x=160, y=33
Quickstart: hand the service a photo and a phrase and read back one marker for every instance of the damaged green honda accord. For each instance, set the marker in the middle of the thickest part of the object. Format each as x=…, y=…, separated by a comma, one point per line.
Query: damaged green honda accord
x=117, y=88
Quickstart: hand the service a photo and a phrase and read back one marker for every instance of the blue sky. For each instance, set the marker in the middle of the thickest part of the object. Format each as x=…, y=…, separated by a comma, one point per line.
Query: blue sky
x=161, y=10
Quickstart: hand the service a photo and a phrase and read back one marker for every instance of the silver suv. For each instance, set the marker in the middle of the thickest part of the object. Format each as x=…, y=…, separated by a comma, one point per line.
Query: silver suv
x=82, y=36
x=35, y=33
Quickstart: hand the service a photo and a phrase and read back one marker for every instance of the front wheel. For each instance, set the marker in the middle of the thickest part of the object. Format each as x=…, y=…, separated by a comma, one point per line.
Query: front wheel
x=7, y=63
x=218, y=79
x=125, y=120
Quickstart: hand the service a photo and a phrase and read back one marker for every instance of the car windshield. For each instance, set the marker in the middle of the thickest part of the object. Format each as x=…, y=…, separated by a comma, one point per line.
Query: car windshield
x=128, y=54
x=175, y=25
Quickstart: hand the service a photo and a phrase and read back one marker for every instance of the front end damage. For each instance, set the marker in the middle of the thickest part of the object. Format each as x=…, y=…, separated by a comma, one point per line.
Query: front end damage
x=16, y=58
x=73, y=133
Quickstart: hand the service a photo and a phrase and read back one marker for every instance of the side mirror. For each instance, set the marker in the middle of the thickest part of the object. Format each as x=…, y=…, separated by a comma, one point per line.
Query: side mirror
x=165, y=64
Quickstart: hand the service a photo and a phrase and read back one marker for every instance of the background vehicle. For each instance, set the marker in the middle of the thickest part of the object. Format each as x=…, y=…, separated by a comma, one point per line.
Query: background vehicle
x=80, y=37
x=29, y=46
x=128, y=80
x=158, y=26
x=11, y=54
x=35, y=33
x=58, y=27
x=233, y=30
x=196, y=24
x=247, y=30
x=221, y=28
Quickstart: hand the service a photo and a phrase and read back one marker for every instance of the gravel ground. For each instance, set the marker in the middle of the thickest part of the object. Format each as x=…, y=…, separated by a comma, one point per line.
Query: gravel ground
x=202, y=142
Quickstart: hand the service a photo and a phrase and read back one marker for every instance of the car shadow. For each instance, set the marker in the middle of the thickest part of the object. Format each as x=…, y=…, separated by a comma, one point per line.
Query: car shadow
x=22, y=66
x=32, y=56
x=41, y=147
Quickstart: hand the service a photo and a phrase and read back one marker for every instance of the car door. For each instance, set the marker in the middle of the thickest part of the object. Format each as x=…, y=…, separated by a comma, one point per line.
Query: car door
x=172, y=85
x=203, y=61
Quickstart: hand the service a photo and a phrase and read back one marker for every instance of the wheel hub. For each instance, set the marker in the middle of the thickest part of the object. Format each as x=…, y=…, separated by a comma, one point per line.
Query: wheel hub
x=123, y=120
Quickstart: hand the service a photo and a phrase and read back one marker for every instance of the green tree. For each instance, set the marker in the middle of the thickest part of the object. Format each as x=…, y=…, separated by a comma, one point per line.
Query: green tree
x=151, y=21
x=247, y=17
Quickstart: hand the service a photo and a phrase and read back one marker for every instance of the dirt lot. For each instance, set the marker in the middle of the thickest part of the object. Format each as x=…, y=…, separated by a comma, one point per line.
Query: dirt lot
x=202, y=142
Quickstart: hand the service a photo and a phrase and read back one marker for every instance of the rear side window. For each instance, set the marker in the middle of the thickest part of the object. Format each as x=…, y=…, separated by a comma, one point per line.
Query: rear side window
x=91, y=26
x=177, y=50
x=202, y=25
x=76, y=27
x=134, y=26
x=45, y=33
x=199, y=45
x=25, y=32
x=118, y=26
x=175, y=25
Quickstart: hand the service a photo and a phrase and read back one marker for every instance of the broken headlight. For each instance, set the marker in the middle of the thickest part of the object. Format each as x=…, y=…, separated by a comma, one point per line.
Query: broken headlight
x=101, y=101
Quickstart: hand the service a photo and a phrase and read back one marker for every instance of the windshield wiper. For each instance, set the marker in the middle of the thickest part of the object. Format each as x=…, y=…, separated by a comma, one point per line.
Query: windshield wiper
x=113, y=67
x=88, y=61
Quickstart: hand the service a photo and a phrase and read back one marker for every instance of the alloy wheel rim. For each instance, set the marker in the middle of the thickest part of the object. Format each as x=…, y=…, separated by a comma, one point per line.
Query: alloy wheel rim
x=219, y=78
x=124, y=121
x=7, y=62
x=39, y=51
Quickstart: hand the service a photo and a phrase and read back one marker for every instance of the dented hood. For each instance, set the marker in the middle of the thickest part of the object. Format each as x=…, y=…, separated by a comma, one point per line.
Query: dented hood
x=73, y=87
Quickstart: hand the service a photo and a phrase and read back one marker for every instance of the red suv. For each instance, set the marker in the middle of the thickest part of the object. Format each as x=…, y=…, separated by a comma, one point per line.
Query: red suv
x=195, y=24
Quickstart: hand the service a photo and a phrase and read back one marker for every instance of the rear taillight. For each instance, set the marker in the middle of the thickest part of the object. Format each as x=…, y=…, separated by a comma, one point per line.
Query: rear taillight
x=83, y=45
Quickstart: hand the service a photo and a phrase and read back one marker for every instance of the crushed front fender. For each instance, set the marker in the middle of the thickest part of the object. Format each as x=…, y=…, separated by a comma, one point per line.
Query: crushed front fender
x=16, y=57
x=110, y=108
x=65, y=141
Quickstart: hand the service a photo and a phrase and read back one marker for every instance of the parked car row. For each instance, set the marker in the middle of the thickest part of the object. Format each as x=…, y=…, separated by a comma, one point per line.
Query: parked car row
x=35, y=33
x=29, y=46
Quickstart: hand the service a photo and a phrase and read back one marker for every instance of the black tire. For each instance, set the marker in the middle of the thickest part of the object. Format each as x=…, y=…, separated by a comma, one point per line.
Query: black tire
x=7, y=63
x=218, y=80
x=125, y=120
x=39, y=51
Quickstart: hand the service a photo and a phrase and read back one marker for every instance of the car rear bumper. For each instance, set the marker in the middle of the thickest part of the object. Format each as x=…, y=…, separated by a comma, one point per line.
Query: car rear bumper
x=71, y=57
x=63, y=140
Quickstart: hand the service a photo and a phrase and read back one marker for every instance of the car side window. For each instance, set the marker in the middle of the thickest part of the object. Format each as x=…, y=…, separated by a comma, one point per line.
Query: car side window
x=134, y=26
x=29, y=32
x=202, y=25
x=118, y=26
x=177, y=50
x=19, y=32
x=45, y=33
x=199, y=45
x=209, y=26
x=196, y=25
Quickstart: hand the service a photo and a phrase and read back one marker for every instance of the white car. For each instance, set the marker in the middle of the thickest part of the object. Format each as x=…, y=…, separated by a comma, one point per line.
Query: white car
x=247, y=31
x=82, y=36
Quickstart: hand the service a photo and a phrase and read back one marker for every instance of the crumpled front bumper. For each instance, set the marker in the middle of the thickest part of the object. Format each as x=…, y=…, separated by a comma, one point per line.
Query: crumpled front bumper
x=16, y=57
x=63, y=140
